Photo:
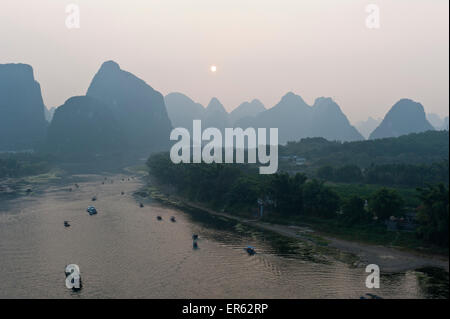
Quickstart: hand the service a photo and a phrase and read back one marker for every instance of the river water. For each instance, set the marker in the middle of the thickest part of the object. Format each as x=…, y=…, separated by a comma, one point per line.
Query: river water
x=125, y=252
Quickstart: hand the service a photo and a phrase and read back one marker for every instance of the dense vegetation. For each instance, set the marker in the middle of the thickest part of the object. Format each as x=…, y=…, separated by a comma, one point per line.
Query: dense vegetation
x=412, y=160
x=417, y=148
x=433, y=214
x=22, y=164
x=296, y=197
x=388, y=174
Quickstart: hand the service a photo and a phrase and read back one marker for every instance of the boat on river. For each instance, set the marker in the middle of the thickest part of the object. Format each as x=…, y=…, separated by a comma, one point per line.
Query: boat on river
x=250, y=250
x=91, y=210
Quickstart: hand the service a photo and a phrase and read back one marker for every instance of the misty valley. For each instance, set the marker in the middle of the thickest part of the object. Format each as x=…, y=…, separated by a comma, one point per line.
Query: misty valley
x=153, y=196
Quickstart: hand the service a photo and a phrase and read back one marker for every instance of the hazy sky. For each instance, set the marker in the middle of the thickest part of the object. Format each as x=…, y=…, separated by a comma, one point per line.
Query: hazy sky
x=262, y=49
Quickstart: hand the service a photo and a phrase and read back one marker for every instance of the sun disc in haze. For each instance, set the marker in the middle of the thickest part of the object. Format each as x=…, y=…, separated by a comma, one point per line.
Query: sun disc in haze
x=213, y=68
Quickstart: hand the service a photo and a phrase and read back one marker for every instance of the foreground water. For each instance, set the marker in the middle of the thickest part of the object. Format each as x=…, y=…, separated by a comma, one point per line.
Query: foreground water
x=125, y=252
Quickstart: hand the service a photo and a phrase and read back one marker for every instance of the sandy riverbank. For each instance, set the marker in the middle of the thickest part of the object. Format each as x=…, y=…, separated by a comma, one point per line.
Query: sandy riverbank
x=389, y=259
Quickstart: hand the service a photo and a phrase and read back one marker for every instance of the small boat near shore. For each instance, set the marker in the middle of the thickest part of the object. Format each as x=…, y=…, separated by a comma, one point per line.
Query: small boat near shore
x=91, y=210
x=250, y=250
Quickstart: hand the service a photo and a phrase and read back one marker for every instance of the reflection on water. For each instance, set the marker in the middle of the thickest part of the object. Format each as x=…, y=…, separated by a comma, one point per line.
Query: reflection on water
x=433, y=282
x=124, y=251
x=234, y=234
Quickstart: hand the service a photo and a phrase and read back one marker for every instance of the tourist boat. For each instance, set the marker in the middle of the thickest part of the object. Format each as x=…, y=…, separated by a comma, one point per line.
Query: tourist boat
x=250, y=250
x=91, y=210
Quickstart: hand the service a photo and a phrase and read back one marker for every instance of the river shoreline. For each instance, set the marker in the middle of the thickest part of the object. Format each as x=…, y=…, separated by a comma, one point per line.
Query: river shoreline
x=390, y=260
x=164, y=264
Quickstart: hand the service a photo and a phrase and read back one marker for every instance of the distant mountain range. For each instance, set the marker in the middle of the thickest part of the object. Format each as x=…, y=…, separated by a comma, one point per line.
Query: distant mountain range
x=247, y=110
x=22, y=117
x=183, y=110
x=122, y=112
x=49, y=113
x=438, y=122
x=366, y=127
x=295, y=120
x=216, y=116
x=138, y=108
x=405, y=117
x=85, y=125
x=445, y=126
x=403, y=111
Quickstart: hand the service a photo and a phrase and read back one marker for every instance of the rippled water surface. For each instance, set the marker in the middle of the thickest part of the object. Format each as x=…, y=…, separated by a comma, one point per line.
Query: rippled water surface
x=125, y=252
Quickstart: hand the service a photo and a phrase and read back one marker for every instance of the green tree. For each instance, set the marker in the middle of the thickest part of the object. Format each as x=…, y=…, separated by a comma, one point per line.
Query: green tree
x=354, y=212
x=348, y=174
x=433, y=215
x=244, y=192
x=287, y=193
x=385, y=203
x=320, y=200
x=326, y=173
